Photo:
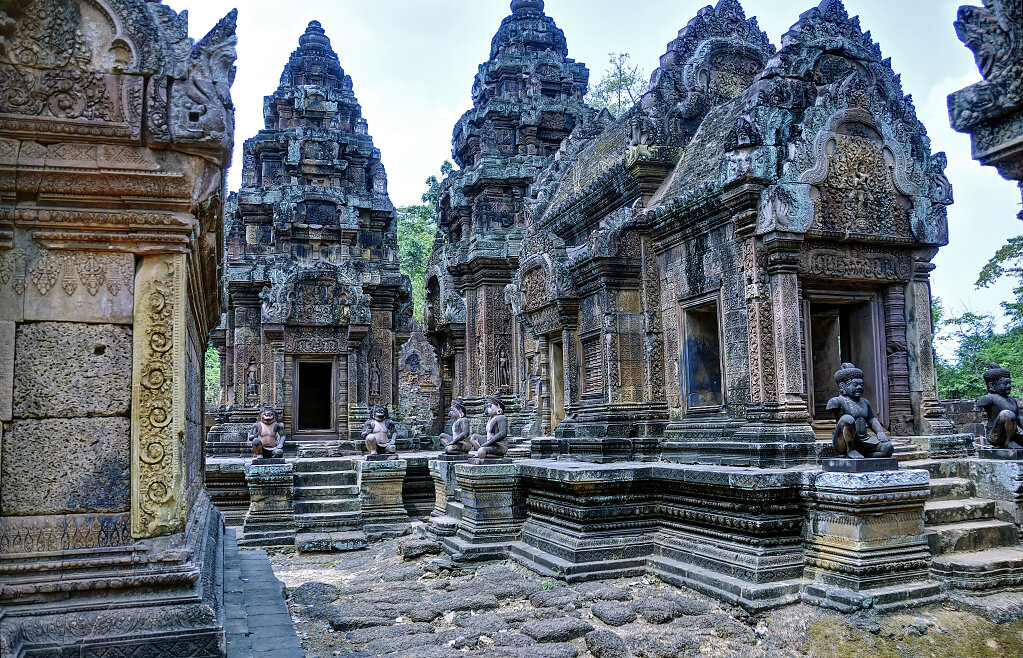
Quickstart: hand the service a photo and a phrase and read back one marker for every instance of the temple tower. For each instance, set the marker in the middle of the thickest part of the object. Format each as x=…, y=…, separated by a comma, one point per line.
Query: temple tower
x=526, y=99
x=317, y=309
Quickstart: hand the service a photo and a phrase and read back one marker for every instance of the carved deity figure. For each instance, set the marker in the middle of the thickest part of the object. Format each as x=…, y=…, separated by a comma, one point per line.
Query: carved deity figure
x=1004, y=425
x=252, y=381
x=495, y=443
x=266, y=436
x=456, y=443
x=374, y=378
x=502, y=368
x=855, y=415
x=379, y=432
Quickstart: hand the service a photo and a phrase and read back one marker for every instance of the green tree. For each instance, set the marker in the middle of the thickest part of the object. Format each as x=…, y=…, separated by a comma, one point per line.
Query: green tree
x=620, y=87
x=417, y=226
x=1007, y=261
x=212, y=376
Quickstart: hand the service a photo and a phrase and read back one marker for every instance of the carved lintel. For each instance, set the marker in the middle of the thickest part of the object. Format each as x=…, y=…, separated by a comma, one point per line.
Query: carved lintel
x=158, y=398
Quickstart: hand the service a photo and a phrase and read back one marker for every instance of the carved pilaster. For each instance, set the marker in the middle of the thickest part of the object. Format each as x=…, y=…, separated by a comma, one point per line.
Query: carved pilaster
x=158, y=398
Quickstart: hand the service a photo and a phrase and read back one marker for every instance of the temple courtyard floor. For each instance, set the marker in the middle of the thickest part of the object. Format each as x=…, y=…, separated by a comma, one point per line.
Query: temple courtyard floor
x=405, y=598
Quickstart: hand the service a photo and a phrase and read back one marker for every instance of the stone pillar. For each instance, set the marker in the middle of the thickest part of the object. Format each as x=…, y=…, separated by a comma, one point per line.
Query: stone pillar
x=271, y=517
x=383, y=511
x=928, y=416
x=864, y=540
x=491, y=517
x=111, y=209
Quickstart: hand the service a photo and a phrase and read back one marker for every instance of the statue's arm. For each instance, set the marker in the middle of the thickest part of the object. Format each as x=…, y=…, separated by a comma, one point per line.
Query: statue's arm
x=279, y=432
x=367, y=429
x=875, y=424
x=254, y=432
x=835, y=407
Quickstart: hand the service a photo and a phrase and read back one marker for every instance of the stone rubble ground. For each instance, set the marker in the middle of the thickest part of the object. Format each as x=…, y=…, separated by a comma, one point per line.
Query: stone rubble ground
x=403, y=598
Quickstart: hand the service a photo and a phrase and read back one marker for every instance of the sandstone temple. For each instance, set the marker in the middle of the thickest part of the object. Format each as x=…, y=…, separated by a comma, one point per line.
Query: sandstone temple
x=641, y=316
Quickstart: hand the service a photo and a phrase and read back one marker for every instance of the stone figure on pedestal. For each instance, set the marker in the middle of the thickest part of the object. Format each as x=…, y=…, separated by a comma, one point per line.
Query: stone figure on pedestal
x=266, y=436
x=1004, y=424
x=495, y=443
x=379, y=433
x=855, y=415
x=457, y=443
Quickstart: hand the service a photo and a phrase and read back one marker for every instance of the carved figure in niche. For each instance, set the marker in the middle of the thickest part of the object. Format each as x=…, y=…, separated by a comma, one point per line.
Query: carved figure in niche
x=252, y=381
x=502, y=368
x=374, y=378
x=379, y=432
x=457, y=443
x=854, y=415
x=495, y=443
x=266, y=436
x=1003, y=418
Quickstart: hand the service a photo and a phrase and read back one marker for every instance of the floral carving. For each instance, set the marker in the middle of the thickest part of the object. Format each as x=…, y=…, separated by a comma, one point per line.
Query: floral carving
x=158, y=399
x=44, y=271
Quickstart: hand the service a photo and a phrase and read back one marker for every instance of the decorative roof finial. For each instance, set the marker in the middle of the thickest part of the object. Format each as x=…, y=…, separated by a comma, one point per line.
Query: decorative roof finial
x=523, y=5
x=314, y=33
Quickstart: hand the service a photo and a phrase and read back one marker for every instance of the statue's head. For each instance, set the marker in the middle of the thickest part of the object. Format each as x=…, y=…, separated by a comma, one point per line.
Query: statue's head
x=379, y=411
x=997, y=379
x=495, y=406
x=850, y=381
x=267, y=414
x=457, y=409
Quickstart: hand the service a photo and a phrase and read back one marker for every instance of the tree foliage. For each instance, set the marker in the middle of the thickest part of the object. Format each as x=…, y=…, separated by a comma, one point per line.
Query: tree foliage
x=620, y=87
x=417, y=226
x=976, y=339
x=211, y=382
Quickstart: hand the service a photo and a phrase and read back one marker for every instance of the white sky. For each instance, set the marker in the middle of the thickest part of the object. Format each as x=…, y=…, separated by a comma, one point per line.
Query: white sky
x=412, y=64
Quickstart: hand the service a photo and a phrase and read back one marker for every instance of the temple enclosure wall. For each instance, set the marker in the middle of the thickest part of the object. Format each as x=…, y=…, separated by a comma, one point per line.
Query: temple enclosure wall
x=115, y=132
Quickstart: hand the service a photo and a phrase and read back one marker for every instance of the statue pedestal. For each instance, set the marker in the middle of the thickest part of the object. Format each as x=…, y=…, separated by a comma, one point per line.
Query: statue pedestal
x=447, y=508
x=1000, y=453
x=383, y=510
x=270, y=520
x=868, y=465
x=490, y=512
x=864, y=540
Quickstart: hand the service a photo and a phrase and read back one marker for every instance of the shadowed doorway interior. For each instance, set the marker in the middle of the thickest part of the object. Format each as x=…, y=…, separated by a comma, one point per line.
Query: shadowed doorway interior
x=314, y=396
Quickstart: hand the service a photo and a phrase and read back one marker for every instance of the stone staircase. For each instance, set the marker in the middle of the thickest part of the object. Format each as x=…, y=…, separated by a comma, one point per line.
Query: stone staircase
x=328, y=512
x=518, y=447
x=975, y=551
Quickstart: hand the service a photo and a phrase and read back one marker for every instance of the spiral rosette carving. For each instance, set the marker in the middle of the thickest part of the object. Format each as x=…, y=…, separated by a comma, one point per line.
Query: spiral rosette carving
x=158, y=505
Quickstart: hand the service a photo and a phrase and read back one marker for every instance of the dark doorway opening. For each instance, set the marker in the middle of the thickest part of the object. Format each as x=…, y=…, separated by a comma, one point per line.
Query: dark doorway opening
x=846, y=332
x=315, y=395
x=702, y=356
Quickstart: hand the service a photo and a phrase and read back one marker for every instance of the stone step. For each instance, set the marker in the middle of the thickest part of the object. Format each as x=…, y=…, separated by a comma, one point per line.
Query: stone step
x=311, y=465
x=958, y=510
x=329, y=491
x=987, y=571
x=325, y=478
x=951, y=488
x=938, y=468
x=327, y=506
x=970, y=536
x=314, y=542
x=315, y=521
